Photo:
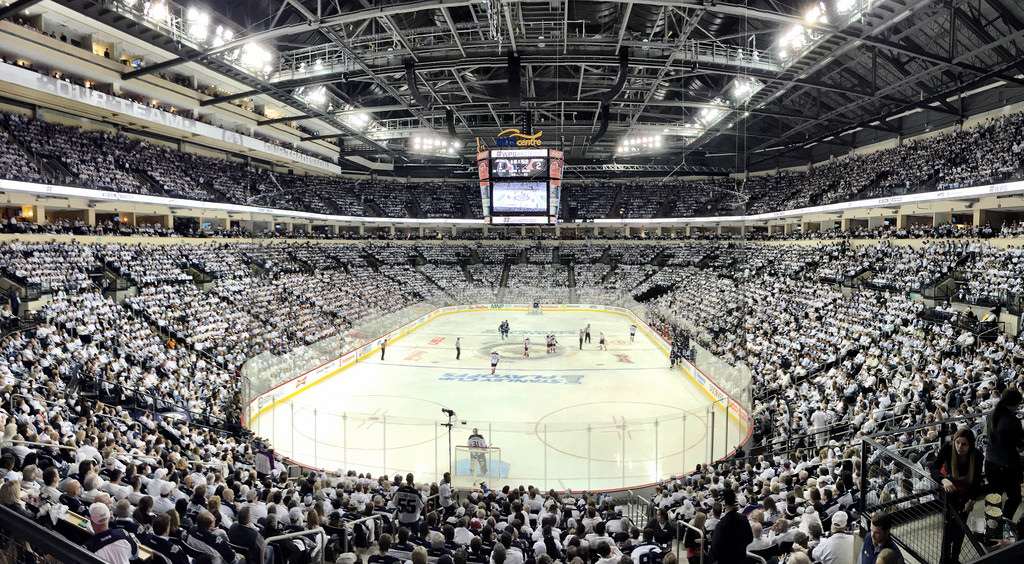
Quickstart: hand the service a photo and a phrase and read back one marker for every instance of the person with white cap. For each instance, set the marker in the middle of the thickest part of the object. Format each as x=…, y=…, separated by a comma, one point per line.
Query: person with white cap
x=163, y=502
x=837, y=548
x=114, y=546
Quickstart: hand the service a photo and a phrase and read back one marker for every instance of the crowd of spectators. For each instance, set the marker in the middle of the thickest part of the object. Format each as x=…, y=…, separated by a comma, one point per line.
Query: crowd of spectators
x=853, y=362
x=821, y=358
x=97, y=159
x=987, y=152
x=993, y=276
x=51, y=266
x=14, y=162
x=529, y=283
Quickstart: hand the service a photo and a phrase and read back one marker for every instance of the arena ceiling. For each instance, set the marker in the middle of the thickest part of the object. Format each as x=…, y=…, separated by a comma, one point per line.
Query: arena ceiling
x=712, y=86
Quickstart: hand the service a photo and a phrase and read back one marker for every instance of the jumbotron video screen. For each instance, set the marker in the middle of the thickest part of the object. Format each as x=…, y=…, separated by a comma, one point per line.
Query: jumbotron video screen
x=520, y=186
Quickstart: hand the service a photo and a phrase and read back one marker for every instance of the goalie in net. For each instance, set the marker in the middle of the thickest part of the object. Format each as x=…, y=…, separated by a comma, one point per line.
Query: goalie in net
x=477, y=454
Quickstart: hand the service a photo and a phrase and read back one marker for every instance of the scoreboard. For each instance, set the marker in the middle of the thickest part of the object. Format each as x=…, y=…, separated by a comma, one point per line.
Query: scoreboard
x=520, y=186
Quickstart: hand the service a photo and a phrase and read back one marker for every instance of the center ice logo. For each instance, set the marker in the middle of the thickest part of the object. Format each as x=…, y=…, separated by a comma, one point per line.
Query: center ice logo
x=513, y=378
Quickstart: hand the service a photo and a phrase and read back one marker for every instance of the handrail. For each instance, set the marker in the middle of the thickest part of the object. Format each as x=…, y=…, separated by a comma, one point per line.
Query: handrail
x=648, y=508
x=700, y=537
x=155, y=398
x=426, y=502
x=49, y=445
x=46, y=401
x=352, y=524
x=321, y=542
x=42, y=540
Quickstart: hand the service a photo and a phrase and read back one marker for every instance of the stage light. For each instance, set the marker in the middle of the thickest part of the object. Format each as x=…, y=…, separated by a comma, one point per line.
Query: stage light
x=816, y=14
x=845, y=6
x=255, y=57
x=157, y=11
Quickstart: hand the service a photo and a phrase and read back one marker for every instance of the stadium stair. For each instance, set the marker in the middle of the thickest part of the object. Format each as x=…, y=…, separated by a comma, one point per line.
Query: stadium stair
x=149, y=183
x=608, y=275
x=372, y=209
x=419, y=269
x=650, y=274
x=412, y=206
x=504, y=280
x=51, y=169
x=467, y=209
x=613, y=210
x=666, y=207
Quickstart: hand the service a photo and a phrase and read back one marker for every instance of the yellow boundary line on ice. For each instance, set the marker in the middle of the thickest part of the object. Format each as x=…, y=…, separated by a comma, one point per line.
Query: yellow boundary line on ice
x=347, y=365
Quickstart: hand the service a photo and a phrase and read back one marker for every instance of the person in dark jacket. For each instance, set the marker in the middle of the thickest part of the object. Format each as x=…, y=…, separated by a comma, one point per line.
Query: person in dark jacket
x=732, y=534
x=159, y=540
x=203, y=538
x=1005, y=443
x=958, y=467
x=662, y=527
x=243, y=534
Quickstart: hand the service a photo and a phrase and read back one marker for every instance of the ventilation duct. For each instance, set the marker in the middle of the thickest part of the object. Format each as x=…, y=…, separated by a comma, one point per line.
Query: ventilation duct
x=410, y=79
x=515, y=93
x=449, y=118
x=620, y=81
x=603, y=127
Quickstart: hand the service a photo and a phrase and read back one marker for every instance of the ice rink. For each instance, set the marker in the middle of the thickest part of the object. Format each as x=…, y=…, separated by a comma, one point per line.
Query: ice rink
x=577, y=418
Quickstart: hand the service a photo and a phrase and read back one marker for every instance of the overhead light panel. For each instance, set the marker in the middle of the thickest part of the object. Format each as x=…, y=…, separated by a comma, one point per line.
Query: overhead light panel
x=198, y=24
x=640, y=145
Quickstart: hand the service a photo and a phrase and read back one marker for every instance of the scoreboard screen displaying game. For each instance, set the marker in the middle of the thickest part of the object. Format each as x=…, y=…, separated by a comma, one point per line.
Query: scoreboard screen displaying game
x=521, y=167
x=520, y=186
x=520, y=197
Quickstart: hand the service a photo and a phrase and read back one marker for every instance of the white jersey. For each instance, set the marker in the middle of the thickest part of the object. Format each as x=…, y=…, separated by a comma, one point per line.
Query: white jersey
x=477, y=440
x=526, y=344
x=494, y=359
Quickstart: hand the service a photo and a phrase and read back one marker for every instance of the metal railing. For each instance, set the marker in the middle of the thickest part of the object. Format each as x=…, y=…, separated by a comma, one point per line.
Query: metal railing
x=352, y=525
x=316, y=556
x=924, y=524
x=639, y=510
x=24, y=541
x=700, y=538
x=135, y=399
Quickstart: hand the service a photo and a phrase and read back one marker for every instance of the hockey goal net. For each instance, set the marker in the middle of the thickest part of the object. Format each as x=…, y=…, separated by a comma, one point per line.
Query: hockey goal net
x=536, y=308
x=477, y=464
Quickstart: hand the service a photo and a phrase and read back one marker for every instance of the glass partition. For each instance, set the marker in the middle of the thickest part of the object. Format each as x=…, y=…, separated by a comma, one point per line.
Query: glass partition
x=584, y=447
x=603, y=453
